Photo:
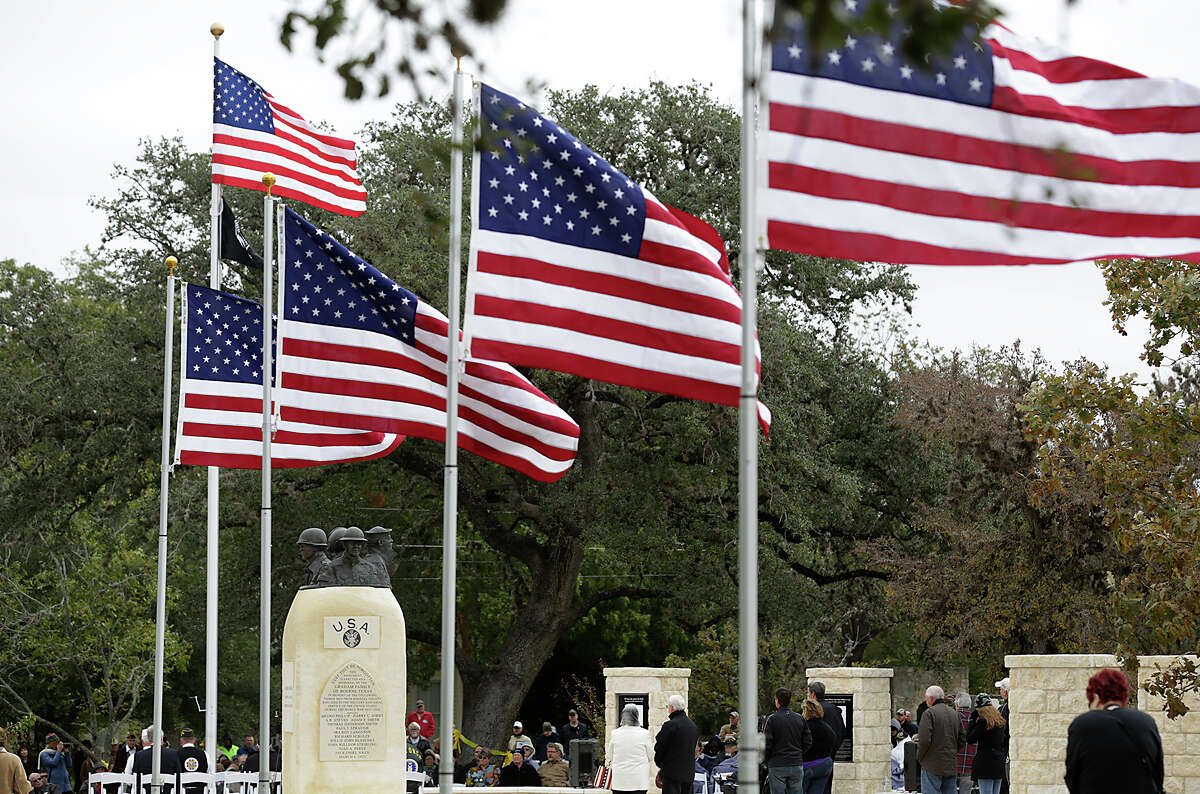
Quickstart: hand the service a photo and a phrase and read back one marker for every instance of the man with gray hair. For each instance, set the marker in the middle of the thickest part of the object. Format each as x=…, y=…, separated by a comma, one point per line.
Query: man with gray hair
x=554, y=771
x=675, y=748
x=939, y=738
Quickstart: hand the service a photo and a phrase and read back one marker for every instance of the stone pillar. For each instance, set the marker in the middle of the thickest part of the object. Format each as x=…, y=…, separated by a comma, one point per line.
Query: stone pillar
x=1180, y=737
x=1047, y=693
x=656, y=683
x=869, y=769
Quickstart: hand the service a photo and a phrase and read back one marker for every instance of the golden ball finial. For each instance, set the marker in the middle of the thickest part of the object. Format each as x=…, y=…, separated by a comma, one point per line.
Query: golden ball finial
x=172, y=263
x=216, y=29
x=268, y=179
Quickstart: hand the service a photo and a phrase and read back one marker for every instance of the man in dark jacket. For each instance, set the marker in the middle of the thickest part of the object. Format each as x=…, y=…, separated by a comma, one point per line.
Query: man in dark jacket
x=143, y=761
x=675, y=748
x=1111, y=747
x=191, y=759
x=832, y=715
x=519, y=772
x=788, y=738
x=940, y=735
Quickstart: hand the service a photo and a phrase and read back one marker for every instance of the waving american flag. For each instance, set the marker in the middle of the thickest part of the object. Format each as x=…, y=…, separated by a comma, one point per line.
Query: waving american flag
x=1005, y=151
x=577, y=268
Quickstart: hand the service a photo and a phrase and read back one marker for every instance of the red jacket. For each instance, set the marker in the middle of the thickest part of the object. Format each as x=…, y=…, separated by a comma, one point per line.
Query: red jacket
x=425, y=720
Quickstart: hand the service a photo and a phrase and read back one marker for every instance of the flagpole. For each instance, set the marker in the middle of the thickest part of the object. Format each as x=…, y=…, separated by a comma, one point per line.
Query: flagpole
x=160, y=604
x=212, y=559
x=751, y=744
x=264, y=612
x=450, y=484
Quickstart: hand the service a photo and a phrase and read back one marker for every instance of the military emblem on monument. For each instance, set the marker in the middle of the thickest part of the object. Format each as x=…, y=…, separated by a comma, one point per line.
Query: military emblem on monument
x=351, y=638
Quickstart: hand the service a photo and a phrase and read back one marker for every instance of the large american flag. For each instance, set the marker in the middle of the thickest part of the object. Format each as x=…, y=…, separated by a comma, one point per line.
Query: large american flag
x=576, y=268
x=1006, y=151
x=361, y=351
x=254, y=133
x=220, y=396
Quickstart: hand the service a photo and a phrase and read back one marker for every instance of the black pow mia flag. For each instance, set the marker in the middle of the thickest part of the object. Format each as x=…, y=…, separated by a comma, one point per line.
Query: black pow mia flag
x=234, y=245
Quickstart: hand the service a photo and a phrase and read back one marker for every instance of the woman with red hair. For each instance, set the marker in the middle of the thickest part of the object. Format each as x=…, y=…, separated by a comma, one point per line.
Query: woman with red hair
x=1111, y=747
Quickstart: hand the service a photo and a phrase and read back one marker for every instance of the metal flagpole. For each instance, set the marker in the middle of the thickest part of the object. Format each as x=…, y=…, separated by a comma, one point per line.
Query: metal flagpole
x=212, y=560
x=264, y=611
x=748, y=417
x=450, y=480
x=160, y=606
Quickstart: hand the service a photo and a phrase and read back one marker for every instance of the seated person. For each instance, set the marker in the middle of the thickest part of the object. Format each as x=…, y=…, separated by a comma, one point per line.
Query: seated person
x=554, y=771
x=729, y=766
x=483, y=772
x=519, y=773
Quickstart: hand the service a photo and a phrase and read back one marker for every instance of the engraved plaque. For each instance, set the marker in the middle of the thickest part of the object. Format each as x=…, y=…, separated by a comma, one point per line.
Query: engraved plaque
x=353, y=717
x=352, y=631
x=289, y=697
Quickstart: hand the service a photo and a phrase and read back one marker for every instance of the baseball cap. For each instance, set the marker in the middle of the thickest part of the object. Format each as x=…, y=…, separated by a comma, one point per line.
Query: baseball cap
x=1003, y=683
x=731, y=739
x=734, y=714
x=547, y=726
x=518, y=724
x=572, y=713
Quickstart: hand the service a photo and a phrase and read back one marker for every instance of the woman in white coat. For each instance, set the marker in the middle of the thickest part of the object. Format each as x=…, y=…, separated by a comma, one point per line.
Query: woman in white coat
x=630, y=754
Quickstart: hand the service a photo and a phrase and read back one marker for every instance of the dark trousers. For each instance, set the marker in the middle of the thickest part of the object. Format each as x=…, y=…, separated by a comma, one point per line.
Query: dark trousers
x=676, y=786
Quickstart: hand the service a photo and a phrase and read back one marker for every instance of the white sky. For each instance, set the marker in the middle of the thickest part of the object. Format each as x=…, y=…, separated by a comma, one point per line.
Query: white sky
x=84, y=81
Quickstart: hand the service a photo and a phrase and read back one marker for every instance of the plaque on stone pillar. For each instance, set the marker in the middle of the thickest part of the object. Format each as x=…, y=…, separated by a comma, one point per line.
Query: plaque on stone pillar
x=845, y=753
x=640, y=701
x=344, y=689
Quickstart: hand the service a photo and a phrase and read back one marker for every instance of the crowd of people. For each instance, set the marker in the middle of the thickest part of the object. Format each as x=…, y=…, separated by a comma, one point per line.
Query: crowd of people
x=959, y=743
x=530, y=761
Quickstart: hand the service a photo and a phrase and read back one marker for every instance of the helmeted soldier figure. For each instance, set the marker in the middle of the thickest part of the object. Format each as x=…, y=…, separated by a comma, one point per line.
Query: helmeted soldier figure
x=350, y=569
x=335, y=541
x=379, y=545
x=312, y=550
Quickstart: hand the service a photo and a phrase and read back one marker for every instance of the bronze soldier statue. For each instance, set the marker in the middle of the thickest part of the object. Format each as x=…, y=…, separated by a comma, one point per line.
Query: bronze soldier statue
x=349, y=569
x=379, y=546
x=312, y=550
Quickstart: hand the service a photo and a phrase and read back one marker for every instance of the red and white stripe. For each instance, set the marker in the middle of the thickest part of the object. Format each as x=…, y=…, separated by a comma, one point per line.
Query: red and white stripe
x=1076, y=159
x=220, y=424
x=309, y=165
x=363, y=379
x=668, y=320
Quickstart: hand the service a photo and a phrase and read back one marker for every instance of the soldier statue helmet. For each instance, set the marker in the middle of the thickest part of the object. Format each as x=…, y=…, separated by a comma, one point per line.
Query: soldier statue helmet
x=311, y=542
x=335, y=540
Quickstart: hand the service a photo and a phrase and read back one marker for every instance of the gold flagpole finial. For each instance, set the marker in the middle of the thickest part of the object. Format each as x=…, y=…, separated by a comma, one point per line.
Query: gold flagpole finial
x=458, y=63
x=268, y=179
x=172, y=263
x=216, y=29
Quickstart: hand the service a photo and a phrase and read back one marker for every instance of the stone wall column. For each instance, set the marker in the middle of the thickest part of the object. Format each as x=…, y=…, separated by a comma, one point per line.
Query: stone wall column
x=658, y=683
x=1047, y=693
x=870, y=768
x=1180, y=737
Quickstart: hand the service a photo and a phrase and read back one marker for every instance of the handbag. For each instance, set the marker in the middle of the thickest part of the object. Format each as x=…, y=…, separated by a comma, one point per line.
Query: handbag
x=603, y=777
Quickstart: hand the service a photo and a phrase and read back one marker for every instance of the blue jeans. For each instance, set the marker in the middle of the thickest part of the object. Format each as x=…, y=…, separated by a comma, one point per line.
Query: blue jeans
x=936, y=784
x=786, y=779
x=990, y=786
x=816, y=776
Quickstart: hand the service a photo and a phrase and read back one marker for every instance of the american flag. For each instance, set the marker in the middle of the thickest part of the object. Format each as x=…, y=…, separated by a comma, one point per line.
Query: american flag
x=254, y=133
x=576, y=268
x=1006, y=151
x=361, y=351
x=220, y=396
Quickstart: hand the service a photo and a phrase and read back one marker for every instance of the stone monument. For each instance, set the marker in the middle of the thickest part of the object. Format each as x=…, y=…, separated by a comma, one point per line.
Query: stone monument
x=344, y=690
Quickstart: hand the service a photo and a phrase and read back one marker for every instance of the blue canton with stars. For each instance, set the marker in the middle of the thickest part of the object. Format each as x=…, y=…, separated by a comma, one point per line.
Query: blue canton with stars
x=874, y=60
x=535, y=178
x=329, y=285
x=224, y=336
x=239, y=101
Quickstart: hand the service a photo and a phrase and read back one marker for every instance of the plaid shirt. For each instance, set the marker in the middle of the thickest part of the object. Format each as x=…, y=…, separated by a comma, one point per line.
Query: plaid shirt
x=966, y=756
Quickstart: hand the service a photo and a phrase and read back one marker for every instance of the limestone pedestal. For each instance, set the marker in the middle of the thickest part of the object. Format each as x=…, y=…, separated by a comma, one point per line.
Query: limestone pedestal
x=1180, y=737
x=651, y=686
x=868, y=725
x=1047, y=693
x=344, y=691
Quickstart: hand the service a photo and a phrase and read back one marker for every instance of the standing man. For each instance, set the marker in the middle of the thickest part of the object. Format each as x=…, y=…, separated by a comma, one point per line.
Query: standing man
x=312, y=550
x=1111, y=747
x=191, y=759
x=56, y=763
x=675, y=748
x=12, y=771
x=788, y=738
x=248, y=747
x=730, y=728
x=939, y=738
x=423, y=718
x=832, y=716
x=574, y=729
x=142, y=761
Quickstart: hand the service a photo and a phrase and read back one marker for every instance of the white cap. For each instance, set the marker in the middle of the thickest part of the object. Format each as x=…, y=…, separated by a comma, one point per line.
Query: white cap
x=1003, y=683
x=518, y=724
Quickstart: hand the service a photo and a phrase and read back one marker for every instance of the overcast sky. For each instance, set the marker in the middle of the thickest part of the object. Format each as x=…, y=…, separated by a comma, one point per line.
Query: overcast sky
x=85, y=81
